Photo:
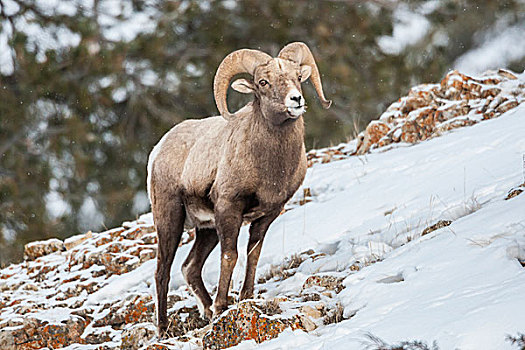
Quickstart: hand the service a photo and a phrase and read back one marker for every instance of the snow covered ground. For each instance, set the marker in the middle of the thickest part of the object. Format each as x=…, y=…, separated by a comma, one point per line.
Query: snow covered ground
x=461, y=285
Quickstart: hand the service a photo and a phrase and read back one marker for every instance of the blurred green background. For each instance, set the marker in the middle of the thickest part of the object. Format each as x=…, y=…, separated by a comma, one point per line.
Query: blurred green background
x=88, y=87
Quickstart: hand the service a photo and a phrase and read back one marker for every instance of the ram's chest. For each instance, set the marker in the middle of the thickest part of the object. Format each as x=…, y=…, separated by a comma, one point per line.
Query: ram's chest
x=280, y=183
x=275, y=192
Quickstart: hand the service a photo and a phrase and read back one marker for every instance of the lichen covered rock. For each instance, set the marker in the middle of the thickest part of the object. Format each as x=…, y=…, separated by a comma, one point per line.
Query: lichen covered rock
x=37, y=249
x=32, y=333
x=246, y=322
x=58, y=278
x=430, y=109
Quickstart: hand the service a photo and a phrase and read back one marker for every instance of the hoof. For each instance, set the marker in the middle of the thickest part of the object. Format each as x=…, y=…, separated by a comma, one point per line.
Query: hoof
x=218, y=310
x=246, y=295
x=208, y=314
x=162, y=331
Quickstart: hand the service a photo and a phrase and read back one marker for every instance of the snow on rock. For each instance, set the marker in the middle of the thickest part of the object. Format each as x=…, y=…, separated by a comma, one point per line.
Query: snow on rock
x=418, y=243
x=55, y=289
x=32, y=333
x=430, y=109
x=37, y=249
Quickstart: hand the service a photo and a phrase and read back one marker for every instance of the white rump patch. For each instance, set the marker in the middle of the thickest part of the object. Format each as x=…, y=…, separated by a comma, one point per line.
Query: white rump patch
x=154, y=153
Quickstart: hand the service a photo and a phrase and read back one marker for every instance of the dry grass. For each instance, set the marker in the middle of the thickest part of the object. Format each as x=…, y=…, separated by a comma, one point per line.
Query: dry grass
x=518, y=340
x=179, y=326
x=373, y=342
x=311, y=297
x=334, y=315
x=356, y=121
x=472, y=205
x=486, y=242
x=283, y=271
x=270, y=307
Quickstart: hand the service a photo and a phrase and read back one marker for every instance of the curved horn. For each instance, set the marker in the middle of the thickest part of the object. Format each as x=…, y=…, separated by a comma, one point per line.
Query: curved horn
x=240, y=61
x=300, y=53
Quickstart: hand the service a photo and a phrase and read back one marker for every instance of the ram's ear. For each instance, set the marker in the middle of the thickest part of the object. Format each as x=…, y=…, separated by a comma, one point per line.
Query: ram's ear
x=243, y=86
x=305, y=72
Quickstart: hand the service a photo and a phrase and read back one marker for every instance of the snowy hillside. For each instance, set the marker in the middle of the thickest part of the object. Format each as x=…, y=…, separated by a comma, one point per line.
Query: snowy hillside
x=408, y=242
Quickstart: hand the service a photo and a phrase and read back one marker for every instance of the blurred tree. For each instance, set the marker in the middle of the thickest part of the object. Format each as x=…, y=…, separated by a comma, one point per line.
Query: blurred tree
x=87, y=88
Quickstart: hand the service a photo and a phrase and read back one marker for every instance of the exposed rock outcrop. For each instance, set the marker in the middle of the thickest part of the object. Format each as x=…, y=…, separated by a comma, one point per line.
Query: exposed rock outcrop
x=431, y=109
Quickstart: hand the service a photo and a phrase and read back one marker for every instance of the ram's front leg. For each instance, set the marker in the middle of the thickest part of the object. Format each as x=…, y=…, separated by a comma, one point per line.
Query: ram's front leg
x=258, y=230
x=228, y=220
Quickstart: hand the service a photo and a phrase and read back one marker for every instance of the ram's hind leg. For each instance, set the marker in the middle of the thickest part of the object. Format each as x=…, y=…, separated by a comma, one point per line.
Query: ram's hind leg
x=205, y=241
x=169, y=220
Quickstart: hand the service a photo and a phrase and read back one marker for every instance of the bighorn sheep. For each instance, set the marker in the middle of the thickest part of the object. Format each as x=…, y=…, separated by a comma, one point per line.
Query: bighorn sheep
x=217, y=172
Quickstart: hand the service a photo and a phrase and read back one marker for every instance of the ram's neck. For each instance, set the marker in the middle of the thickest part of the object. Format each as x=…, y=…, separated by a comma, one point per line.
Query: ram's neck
x=276, y=149
x=262, y=159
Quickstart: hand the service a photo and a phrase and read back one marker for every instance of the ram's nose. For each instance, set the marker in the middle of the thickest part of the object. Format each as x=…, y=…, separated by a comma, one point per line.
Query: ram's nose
x=295, y=103
x=294, y=99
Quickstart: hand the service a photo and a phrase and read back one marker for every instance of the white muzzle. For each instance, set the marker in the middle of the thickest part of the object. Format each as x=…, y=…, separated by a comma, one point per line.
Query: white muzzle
x=295, y=103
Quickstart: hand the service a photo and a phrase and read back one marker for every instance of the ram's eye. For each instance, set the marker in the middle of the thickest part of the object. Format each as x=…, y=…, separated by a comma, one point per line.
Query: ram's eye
x=300, y=78
x=263, y=82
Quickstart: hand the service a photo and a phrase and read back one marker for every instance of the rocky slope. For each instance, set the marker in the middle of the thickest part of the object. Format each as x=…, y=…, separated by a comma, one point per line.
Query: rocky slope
x=329, y=267
x=429, y=110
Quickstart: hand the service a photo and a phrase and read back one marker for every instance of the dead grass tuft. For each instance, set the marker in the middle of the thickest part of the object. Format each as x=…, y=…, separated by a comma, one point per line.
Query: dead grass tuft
x=283, y=271
x=518, y=340
x=334, y=315
x=185, y=320
x=312, y=297
x=373, y=342
x=270, y=307
x=472, y=205
x=436, y=226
